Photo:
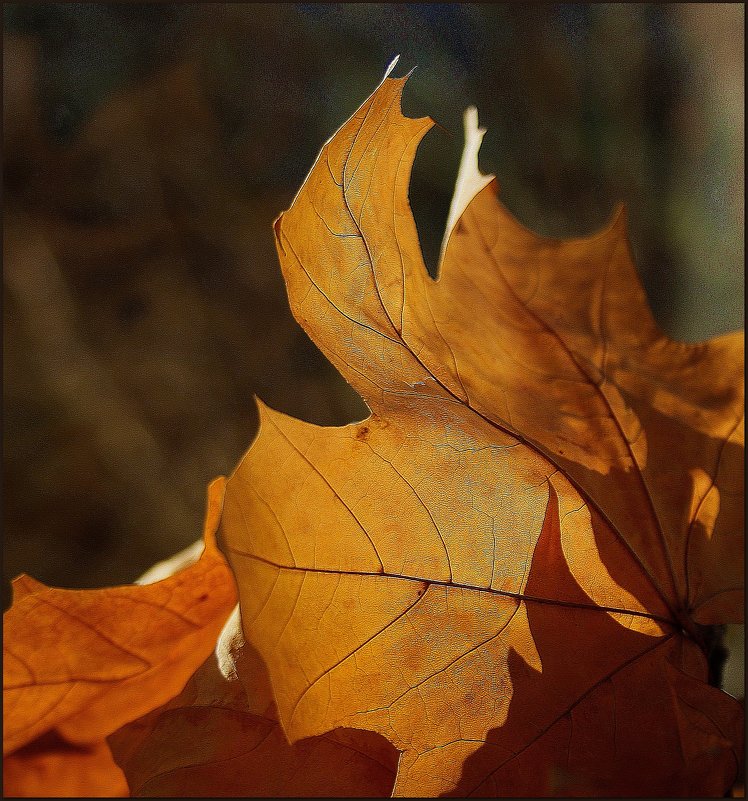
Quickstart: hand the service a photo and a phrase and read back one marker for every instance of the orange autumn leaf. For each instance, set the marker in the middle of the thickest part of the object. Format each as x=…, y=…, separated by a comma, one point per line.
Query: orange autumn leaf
x=78, y=664
x=505, y=569
x=220, y=737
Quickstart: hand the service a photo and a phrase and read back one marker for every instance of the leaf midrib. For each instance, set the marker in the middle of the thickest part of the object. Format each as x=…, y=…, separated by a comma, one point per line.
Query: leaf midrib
x=519, y=596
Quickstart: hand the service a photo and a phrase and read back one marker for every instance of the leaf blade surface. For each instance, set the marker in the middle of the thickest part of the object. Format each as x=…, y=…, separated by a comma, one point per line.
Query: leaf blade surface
x=543, y=474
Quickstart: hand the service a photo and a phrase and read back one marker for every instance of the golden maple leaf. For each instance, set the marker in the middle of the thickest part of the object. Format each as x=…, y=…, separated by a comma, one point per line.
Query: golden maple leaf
x=504, y=569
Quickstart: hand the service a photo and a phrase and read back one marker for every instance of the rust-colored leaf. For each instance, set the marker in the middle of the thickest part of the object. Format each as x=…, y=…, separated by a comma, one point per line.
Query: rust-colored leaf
x=78, y=664
x=50, y=767
x=217, y=739
x=504, y=569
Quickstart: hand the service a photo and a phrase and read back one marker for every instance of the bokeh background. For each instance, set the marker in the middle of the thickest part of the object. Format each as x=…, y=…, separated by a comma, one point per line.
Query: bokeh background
x=148, y=149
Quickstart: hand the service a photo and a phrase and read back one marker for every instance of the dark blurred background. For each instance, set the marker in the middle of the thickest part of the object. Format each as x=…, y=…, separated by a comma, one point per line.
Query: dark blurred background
x=149, y=147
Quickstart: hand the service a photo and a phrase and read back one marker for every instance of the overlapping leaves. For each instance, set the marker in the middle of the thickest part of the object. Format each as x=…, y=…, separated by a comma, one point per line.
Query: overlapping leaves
x=504, y=569
x=79, y=664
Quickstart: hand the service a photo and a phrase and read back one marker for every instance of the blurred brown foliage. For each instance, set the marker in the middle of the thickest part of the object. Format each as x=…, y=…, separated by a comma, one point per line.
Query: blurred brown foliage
x=149, y=148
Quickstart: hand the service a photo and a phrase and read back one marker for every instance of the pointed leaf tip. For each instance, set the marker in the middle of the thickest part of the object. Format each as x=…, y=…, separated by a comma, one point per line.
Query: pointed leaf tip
x=392, y=66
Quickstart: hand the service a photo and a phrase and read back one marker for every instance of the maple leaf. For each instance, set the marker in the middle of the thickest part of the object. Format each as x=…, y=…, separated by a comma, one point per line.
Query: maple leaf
x=504, y=569
x=78, y=664
x=215, y=739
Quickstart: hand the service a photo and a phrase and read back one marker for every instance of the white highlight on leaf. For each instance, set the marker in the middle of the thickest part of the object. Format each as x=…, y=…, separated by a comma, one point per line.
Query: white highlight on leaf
x=168, y=567
x=470, y=180
x=392, y=66
x=230, y=640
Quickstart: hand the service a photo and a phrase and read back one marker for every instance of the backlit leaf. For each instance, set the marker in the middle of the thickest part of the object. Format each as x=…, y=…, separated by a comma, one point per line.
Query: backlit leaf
x=504, y=569
x=78, y=664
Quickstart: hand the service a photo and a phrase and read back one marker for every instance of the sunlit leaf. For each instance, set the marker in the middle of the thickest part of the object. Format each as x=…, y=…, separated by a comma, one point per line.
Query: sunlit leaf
x=504, y=569
x=78, y=664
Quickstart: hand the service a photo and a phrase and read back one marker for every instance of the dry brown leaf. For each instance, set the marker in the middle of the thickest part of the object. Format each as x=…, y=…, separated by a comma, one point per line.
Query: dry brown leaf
x=217, y=740
x=504, y=569
x=78, y=664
